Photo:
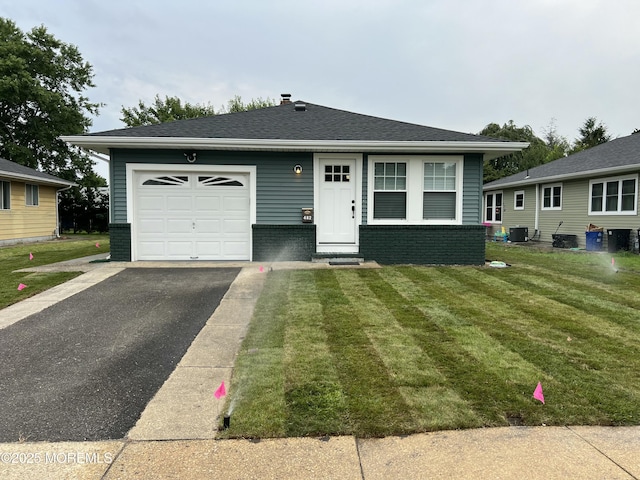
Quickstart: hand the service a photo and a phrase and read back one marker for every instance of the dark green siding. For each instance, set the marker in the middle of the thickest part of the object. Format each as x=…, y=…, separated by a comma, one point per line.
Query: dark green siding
x=281, y=194
x=423, y=244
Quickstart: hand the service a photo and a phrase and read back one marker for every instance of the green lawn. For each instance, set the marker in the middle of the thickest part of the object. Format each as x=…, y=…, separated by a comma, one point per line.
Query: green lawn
x=405, y=349
x=16, y=257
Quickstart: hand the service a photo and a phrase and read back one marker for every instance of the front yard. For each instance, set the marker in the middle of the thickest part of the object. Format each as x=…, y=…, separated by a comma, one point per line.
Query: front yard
x=16, y=257
x=405, y=349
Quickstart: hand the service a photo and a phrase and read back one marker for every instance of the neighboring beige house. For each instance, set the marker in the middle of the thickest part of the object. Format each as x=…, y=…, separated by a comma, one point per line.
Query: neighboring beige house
x=28, y=203
x=596, y=186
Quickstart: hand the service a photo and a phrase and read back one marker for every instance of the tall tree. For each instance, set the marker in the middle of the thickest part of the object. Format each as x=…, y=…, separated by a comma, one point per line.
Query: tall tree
x=172, y=108
x=530, y=157
x=160, y=111
x=237, y=105
x=42, y=96
x=592, y=133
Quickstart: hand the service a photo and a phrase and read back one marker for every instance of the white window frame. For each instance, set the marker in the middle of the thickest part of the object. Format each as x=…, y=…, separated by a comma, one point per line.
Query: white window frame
x=551, y=187
x=3, y=194
x=415, y=188
x=493, y=208
x=29, y=189
x=515, y=200
x=604, y=182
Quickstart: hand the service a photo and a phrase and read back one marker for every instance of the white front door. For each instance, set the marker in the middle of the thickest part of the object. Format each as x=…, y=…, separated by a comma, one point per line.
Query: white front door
x=337, y=204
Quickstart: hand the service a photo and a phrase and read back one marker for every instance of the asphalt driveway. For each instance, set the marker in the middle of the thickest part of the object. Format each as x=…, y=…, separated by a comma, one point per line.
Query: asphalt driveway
x=86, y=367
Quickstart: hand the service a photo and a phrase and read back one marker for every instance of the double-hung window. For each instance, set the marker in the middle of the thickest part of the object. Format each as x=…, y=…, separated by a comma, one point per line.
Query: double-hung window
x=552, y=197
x=5, y=195
x=31, y=195
x=493, y=207
x=390, y=190
x=613, y=196
x=518, y=200
x=439, y=198
x=415, y=189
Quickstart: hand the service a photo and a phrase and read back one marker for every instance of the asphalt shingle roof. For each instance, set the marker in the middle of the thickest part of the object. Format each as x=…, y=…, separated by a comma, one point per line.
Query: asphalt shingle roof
x=614, y=155
x=284, y=122
x=12, y=169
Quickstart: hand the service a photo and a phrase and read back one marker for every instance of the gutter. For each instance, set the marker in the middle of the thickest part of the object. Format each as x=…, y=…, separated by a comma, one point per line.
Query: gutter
x=564, y=176
x=103, y=144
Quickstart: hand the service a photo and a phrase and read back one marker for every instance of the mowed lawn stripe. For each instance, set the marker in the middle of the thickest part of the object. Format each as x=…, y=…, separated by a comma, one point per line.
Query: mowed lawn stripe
x=422, y=385
x=256, y=397
x=621, y=306
x=376, y=408
x=492, y=366
x=587, y=332
x=592, y=395
x=315, y=400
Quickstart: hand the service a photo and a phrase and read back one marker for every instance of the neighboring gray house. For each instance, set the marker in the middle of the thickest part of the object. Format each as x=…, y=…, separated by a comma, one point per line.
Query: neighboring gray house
x=596, y=186
x=296, y=181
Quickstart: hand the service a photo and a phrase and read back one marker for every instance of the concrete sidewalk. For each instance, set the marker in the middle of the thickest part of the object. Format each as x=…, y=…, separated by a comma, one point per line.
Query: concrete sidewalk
x=175, y=435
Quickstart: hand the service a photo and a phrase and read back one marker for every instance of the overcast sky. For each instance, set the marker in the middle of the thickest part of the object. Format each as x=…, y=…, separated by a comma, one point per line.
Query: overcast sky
x=454, y=64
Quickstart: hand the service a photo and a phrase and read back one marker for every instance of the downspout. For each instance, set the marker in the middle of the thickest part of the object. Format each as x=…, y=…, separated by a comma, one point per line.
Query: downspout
x=536, y=221
x=57, y=231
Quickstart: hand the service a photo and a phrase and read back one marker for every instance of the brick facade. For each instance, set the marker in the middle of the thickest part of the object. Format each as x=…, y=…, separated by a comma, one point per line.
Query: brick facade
x=275, y=243
x=423, y=244
x=120, y=239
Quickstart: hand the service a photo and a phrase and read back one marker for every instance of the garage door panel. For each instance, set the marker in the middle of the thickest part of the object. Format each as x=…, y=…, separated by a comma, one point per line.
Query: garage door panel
x=151, y=203
x=236, y=204
x=209, y=205
x=179, y=248
x=179, y=204
x=235, y=249
x=208, y=250
x=233, y=226
x=153, y=226
x=153, y=248
x=208, y=226
x=179, y=225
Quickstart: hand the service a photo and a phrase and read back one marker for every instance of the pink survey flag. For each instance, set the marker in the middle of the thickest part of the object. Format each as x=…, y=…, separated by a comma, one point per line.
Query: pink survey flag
x=261, y=269
x=30, y=256
x=220, y=392
x=613, y=261
x=537, y=394
x=97, y=245
x=22, y=286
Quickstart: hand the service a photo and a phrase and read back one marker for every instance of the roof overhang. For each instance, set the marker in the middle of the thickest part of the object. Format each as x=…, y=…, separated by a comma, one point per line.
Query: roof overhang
x=35, y=179
x=599, y=172
x=104, y=144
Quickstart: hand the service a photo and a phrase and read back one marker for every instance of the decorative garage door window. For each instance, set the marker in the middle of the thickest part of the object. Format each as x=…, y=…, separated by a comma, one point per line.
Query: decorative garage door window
x=337, y=173
x=168, y=181
x=208, y=181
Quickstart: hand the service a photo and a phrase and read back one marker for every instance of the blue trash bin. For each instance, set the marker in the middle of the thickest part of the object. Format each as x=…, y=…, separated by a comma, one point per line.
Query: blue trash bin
x=594, y=241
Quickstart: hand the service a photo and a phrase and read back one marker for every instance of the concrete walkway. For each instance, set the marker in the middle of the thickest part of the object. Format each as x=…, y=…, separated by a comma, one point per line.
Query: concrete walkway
x=175, y=436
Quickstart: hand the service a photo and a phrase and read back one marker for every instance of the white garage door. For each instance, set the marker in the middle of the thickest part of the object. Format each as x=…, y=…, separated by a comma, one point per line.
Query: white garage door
x=192, y=216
